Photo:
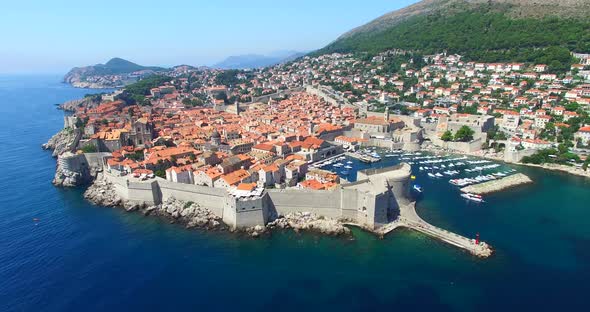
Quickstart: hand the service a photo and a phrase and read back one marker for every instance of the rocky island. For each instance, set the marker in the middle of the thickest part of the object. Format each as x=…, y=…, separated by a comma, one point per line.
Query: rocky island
x=115, y=73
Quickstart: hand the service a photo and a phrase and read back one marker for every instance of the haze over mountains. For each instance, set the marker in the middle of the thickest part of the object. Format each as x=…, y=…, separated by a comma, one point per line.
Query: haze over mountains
x=539, y=31
x=258, y=60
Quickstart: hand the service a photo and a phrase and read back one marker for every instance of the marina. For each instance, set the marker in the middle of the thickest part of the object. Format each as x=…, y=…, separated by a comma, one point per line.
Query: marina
x=484, y=175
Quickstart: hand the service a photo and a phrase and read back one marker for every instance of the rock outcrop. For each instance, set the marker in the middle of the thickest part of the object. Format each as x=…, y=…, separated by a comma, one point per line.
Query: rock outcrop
x=68, y=178
x=306, y=221
x=103, y=193
x=88, y=102
x=189, y=214
x=60, y=142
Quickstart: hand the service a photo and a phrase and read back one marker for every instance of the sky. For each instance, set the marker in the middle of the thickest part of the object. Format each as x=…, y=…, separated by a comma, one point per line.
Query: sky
x=52, y=36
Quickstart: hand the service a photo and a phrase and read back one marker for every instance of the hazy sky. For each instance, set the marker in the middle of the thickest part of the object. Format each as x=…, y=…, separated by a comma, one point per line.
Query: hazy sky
x=51, y=36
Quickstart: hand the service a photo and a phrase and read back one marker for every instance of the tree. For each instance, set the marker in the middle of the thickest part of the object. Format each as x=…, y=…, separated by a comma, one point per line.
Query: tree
x=572, y=107
x=447, y=136
x=464, y=134
x=89, y=149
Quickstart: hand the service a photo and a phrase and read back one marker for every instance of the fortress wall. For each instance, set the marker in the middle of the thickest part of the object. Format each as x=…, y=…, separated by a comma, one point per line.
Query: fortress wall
x=144, y=192
x=401, y=191
x=349, y=203
x=464, y=147
x=364, y=207
x=324, y=203
x=120, y=185
x=95, y=159
x=388, y=144
x=380, y=208
x=208, y=197
x=245, y=213
x=73, y=162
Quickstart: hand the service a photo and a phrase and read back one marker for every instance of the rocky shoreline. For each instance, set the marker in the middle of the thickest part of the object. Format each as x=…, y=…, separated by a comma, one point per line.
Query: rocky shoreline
x=94, y=85
x=60, y=142
x=191, y=215
x=70, y=106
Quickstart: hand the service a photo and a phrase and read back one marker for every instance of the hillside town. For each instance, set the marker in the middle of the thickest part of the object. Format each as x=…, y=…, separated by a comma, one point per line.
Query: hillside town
x=242, y=130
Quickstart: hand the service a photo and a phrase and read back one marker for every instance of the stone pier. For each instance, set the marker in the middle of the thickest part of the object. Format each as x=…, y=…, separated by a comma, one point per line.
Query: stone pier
x=409, y=219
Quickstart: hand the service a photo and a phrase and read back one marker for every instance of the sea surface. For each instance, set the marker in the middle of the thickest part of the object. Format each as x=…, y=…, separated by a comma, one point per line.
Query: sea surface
x=61, y=253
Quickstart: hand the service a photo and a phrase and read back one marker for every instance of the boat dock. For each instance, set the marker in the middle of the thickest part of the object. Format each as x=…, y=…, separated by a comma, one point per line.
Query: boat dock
x=410, y=219
x=497, y=185
x=363, y=157
x=325, y=161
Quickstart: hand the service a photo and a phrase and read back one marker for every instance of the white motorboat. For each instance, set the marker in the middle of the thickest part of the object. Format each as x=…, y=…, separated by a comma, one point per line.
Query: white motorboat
x=473, y=197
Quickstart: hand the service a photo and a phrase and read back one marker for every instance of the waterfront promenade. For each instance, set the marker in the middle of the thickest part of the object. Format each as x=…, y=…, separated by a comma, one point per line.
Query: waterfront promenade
x=409, y=219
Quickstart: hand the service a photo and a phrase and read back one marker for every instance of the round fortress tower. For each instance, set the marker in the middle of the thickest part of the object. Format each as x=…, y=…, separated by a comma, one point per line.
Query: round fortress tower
x=399, y=181
x=396, y=177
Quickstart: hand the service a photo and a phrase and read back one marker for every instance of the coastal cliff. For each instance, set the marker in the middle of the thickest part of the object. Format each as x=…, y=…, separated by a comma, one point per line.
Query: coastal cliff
x=60, y=142
x=71, y=169
x=88, y=102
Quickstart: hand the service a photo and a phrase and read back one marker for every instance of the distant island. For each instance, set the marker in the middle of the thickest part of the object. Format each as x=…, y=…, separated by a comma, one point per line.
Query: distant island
x=250, y=61
x=114, y=74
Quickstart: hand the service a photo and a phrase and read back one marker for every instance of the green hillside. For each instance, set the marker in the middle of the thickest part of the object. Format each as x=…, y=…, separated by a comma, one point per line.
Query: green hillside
x=481, y=34
x=120, y=66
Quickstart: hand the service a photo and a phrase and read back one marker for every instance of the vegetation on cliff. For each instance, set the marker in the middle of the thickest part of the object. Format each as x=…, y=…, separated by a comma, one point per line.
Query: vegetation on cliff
x=485, y=33
x=136, y=92
x=560, y=155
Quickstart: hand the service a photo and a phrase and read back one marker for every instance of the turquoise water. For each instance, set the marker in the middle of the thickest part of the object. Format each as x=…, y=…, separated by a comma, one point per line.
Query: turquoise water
x=79, y=257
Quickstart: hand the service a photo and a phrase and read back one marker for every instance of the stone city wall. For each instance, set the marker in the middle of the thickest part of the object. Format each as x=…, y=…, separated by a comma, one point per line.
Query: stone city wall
x=324, y=203
x=209, y=197
x=343, y=202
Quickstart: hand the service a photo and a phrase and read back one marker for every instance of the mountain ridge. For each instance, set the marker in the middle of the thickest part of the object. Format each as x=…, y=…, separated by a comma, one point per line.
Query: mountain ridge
x=513, y=8
x=247, y=61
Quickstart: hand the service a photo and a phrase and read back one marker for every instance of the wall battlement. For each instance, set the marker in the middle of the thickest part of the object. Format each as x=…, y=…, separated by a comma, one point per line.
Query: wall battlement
x=372, y=202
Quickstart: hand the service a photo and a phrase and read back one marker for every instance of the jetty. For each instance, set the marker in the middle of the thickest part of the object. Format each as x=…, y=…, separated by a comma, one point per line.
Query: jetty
x=497, y=185
x=409, y=219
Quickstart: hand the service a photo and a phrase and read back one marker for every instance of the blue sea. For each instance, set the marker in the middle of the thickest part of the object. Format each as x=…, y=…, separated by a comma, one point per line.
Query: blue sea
x=61, y=253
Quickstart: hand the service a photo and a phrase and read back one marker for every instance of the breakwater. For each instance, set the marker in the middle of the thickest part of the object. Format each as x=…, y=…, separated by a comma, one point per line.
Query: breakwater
x=497, y=185
x=408, y=218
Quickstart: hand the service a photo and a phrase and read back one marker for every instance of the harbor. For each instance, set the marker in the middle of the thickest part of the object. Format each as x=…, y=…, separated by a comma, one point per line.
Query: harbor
x=459, y=171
